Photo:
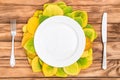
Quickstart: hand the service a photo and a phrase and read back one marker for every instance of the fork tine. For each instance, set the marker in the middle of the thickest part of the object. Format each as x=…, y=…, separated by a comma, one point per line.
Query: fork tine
x=13, y=24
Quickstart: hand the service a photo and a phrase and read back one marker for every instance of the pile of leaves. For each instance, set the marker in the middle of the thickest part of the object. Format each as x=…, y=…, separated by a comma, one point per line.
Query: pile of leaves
x=49, y=10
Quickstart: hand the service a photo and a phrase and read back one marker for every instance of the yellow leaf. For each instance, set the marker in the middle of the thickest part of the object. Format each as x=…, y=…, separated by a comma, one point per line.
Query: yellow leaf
x=32, y=24
x=26, y=37
x=31, y=55
x=36, y=66
x=30, y=61
x=37, y=13
x=24, y=28
x=85, y=54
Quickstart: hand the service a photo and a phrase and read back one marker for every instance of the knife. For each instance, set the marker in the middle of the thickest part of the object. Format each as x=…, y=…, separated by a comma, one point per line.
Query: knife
x=104, y=39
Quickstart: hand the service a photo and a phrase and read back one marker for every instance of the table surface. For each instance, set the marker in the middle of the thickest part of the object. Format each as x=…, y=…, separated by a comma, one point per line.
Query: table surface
x=22, y=10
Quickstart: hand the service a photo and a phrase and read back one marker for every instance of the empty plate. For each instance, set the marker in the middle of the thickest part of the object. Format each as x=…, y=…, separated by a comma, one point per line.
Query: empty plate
x=59, y=41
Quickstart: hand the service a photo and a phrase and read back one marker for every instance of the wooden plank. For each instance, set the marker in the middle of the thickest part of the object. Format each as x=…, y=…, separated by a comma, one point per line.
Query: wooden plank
x=113, y=32
x=94, y=70
x=6, y=50
x=57, y=78
x=19, y=63
x=91, y=2
x=113, y=50
x=22, y=13
x=98, y=8
x=24, y=2
x=69, y=2
x=5, y=34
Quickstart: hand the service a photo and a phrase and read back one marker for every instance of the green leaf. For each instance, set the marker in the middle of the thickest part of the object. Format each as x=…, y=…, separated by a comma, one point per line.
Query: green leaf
x=42, y=18
x=90, y=32
x=61, y=73
x=79, y=20
x=67, y=9
x=40, y=61
x=29, y=46
x=81, y=14
x=61, y=3
x=89, y=26
x=84, y=63
x=72, y=69
x=69, y=15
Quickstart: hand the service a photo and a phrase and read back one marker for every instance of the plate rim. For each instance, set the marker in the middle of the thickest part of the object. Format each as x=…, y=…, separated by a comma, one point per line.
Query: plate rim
x=67, y=63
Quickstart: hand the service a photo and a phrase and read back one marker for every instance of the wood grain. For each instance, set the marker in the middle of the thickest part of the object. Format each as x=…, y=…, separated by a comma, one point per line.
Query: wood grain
x=113, y=32
x=113, y=50
x=90, y=2
x=69, y=2
x=24, y=2
x=57, y=78
x=22, y=10
x=20, y=70
x=22, y=13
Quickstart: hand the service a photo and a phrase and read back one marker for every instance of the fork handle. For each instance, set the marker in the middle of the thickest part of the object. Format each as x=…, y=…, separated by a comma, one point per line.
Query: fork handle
x=12, y=58
x=104, y=65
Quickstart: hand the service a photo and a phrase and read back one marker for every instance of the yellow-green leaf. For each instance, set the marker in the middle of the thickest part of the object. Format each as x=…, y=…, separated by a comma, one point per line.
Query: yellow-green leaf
x=61, y=73
x=36, y=66
x=48, y=70
x=80, y=14
x=29, y=46
x=52, y=10
x=72, y=69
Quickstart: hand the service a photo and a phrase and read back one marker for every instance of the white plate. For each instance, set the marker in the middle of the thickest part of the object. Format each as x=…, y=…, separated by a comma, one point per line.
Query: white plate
x=59, y=41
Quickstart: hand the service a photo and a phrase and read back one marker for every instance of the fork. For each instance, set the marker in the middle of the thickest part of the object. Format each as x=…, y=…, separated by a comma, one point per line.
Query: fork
x=13, y=33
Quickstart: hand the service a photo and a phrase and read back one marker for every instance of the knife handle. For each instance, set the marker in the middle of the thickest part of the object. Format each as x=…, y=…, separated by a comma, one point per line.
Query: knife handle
x=104, y=64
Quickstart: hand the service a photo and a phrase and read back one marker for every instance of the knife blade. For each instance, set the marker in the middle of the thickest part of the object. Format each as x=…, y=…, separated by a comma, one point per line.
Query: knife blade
x=104, y=39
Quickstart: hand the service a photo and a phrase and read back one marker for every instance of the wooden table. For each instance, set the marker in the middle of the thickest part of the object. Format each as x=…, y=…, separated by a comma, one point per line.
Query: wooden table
x=23, y=9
